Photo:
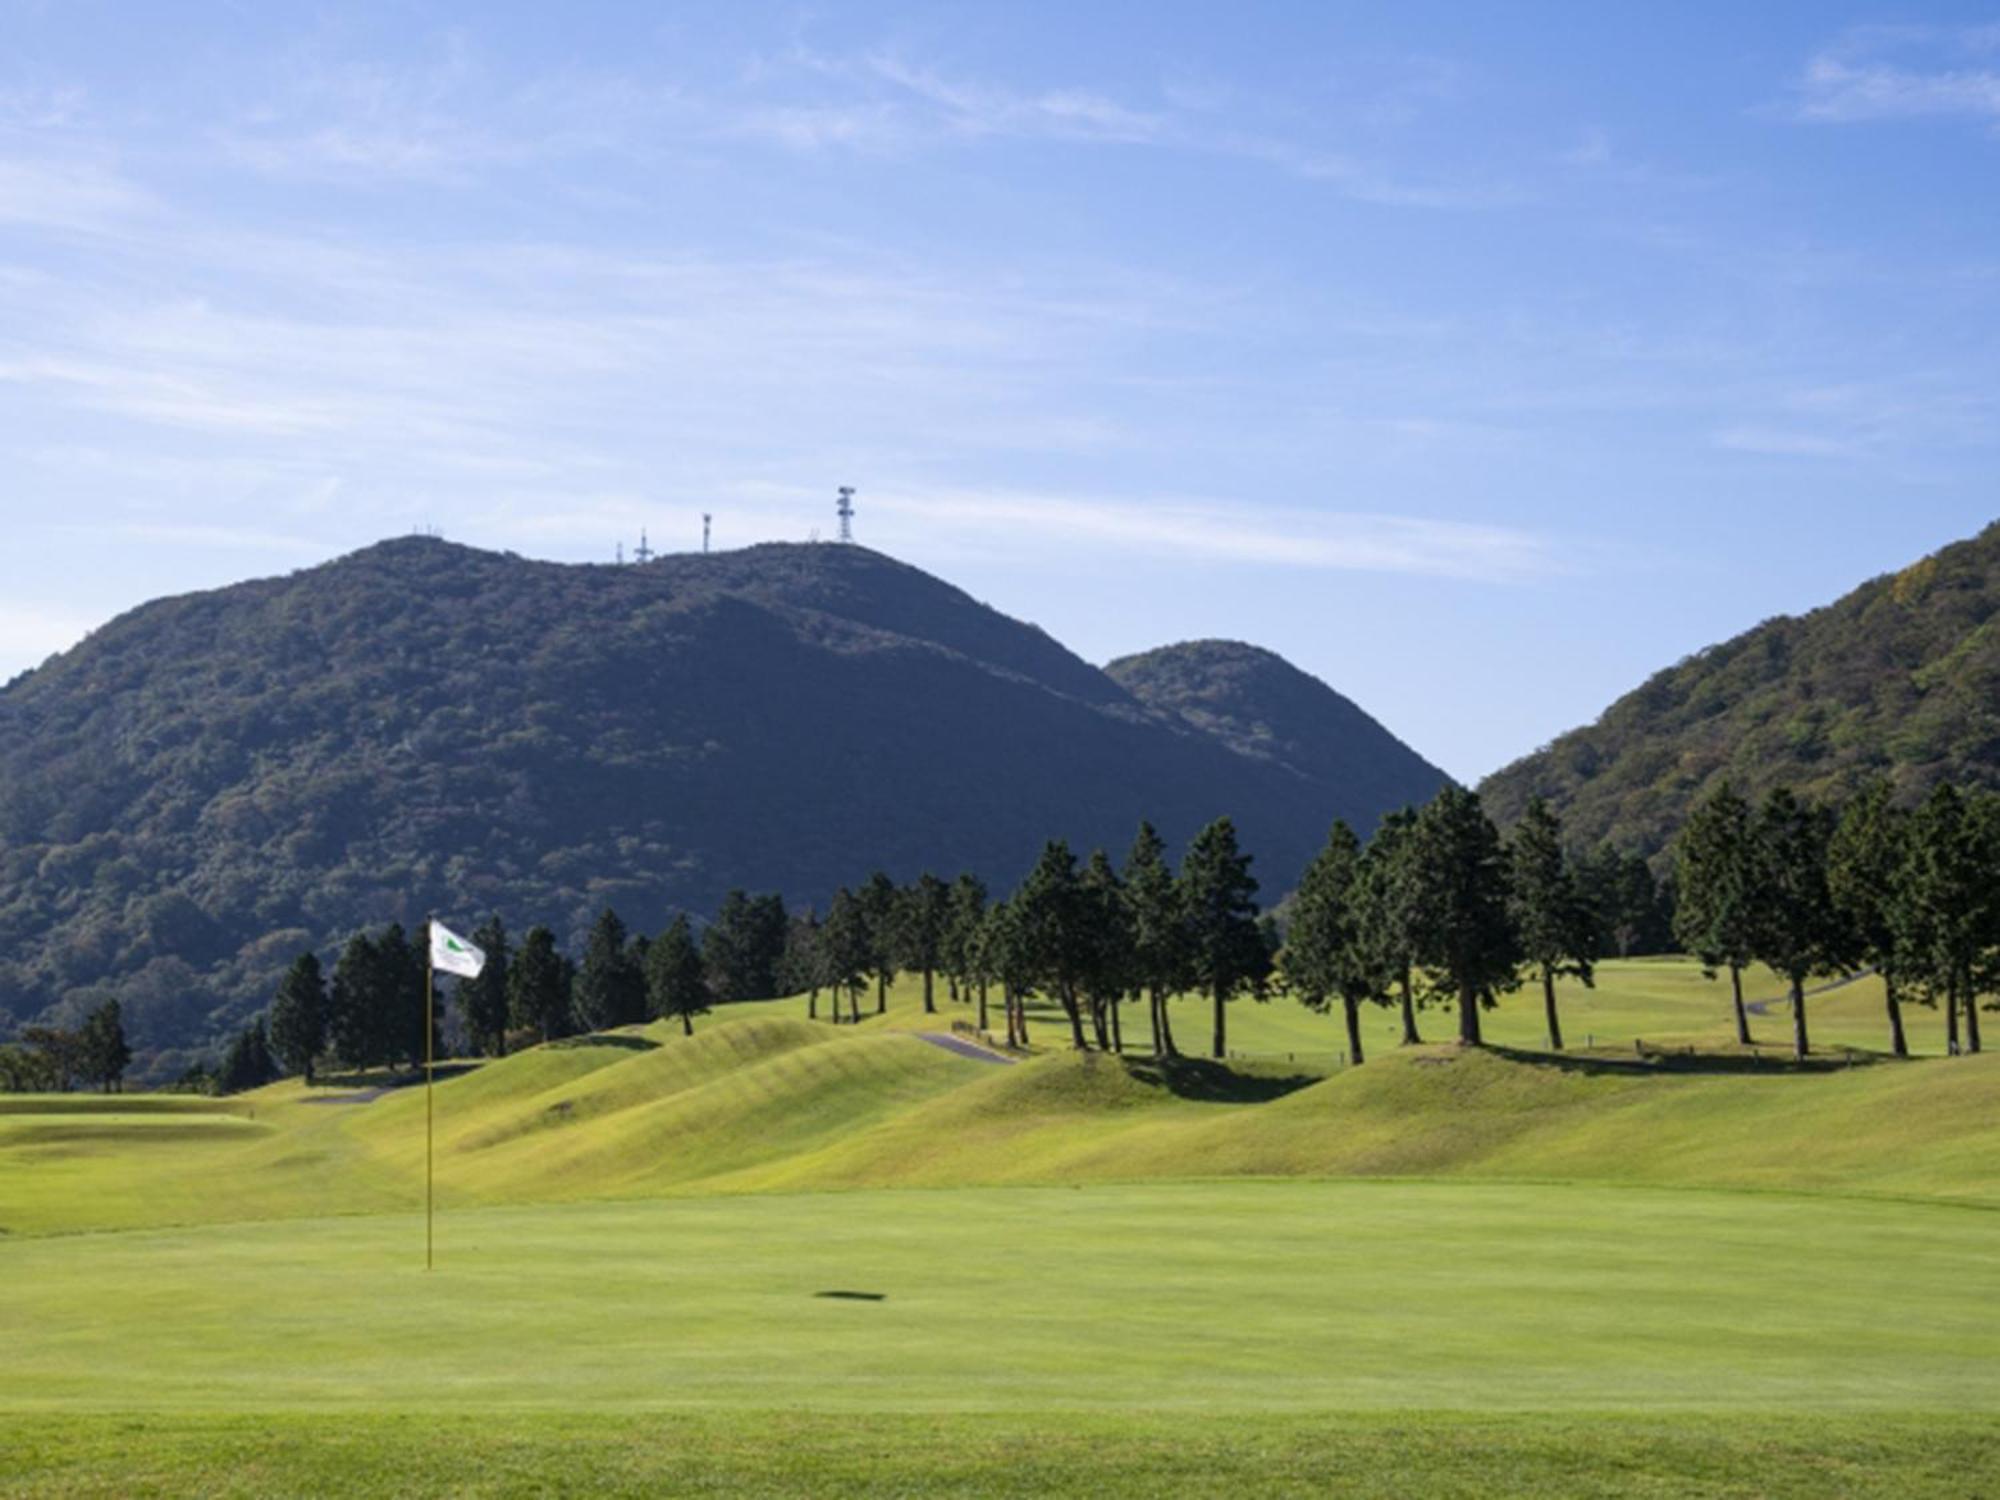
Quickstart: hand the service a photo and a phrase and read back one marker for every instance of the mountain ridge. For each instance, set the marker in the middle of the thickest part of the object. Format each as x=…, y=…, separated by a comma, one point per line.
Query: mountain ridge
x=213, y=781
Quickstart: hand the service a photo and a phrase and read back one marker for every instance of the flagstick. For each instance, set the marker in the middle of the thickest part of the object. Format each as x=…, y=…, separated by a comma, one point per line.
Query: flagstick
x=430, y=1082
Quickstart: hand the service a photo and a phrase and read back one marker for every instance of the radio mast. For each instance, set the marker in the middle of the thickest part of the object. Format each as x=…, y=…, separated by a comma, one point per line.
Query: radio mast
x=845, y=510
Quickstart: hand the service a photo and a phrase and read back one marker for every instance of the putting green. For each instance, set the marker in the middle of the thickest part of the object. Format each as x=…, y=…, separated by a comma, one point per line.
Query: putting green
x=1296, y=1297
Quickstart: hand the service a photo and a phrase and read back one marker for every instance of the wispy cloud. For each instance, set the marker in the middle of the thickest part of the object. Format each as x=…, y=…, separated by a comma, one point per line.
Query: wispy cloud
x=1229, y=530
x=1892, y=73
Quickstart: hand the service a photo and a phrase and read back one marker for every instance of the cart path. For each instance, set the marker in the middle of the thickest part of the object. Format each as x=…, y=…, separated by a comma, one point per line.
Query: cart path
x=1763, y=1007
x=963, y=1048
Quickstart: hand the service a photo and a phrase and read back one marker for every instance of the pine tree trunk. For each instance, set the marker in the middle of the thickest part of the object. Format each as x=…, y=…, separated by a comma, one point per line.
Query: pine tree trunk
x=1117, y=1032
x=1971, y=1017
x=1353, y=1009
x=1898, y=1045
x=854, y=1005
x=1410, y=1037
x=881, y=994
x=951, y=988
x=1221, y=1034
x=1097, y=1023
x=1742, y=1015
x=1021, y=1017
x=1075, y=1013
x=1799, y=1047
x=687, y=1023
x=1468, y=1016
x=1549, y=1005
x=1165, y=1031
x=812, y=1005
x=982, y=1005
x=1951, y=1020
x=930, y=1006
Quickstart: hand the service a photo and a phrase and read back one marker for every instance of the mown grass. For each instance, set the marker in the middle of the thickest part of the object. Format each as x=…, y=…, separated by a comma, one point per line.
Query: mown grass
x=1453, y=1456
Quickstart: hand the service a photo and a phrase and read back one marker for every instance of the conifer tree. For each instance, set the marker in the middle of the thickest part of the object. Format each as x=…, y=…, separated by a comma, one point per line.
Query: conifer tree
x=962, y=935
x=846, y=950
x=882, y=913
x=538, y=986
x=1799, y=932
x=1386, y=893
x=1952, y=889
x=401, y=977
x=1227, y=955
x=298, y=1016
x=1327, y=958
x=610, y=990
x=924, y=919
x=1715, y=915
x=357, y=1020
x=248, y=1063
x=482, y=1002
x=1048, y=919
x=1463, y=927
x=1556, y=925
x=1111, y=971
x=103, y=1052
x=1157, y=921
x=744, y=947
x=1867, y=864
x=676, y=977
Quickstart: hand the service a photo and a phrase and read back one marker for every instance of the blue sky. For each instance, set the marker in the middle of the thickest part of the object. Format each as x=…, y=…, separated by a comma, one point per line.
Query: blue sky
x=1479, y=358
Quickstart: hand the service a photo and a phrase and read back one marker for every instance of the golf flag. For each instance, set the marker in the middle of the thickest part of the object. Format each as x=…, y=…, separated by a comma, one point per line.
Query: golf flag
x=452, y=954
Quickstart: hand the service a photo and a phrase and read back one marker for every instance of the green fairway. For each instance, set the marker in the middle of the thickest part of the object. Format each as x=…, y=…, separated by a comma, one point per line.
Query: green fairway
x=1447, y=1271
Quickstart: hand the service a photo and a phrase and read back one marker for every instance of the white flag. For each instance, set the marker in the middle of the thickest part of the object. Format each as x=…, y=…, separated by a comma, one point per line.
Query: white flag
x=452, y=954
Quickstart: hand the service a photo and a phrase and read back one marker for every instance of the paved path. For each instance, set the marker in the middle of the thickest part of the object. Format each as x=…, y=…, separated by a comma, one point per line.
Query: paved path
x=963, y=1048
x=1763, y=1007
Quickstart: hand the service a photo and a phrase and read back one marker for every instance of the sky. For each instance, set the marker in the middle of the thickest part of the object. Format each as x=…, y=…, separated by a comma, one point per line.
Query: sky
x=1481, y=359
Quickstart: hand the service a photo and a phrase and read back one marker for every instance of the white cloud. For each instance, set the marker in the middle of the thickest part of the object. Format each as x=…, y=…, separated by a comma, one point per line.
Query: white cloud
x=1890, y=73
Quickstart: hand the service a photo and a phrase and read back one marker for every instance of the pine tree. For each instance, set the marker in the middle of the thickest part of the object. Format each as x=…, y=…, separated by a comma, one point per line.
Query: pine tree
x=676, y=977
x=1226, y=954
x=845, y=950
x=1867, y=864
x=248, y=1063
x=1327, y=957
x=299, y=1016
x=1157, y=920
x=103, y=1053
x=1951, y=887
x=1049, y=921
x=1798, y=932
x=402, y=970
x=1463, y=927
x=538, y=986
x=744, y=947
x=924, y=919
x=1557, y=928
x=962, y=933
x=1387, y=895
x=356, y=1018
x=1715, y=916
x=482, y=1002
x=1111, y=972
x=610, y=990
x=882, y=911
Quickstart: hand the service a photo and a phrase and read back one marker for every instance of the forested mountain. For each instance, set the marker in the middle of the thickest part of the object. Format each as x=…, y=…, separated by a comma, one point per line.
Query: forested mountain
x=1262, y=706
x=211, y=783
x=1899, y=678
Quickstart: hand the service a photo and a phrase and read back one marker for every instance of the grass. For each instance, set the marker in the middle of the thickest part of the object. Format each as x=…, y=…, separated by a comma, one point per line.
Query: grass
x=1444, y=1272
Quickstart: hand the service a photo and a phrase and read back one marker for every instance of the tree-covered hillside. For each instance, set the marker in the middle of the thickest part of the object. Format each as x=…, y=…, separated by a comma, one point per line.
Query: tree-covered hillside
x=211, y=783
x=1899, y=678
x=1261, y=705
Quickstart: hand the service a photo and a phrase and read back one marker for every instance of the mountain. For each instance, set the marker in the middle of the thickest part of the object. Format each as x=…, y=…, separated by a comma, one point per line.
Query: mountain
x=1263, y=707
x=1900, y=678
x=210, y=783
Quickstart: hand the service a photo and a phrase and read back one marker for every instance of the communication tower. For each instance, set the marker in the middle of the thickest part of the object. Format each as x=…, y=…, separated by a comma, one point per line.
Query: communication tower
x=845, y=510
x=705, y=519
x=645, y=554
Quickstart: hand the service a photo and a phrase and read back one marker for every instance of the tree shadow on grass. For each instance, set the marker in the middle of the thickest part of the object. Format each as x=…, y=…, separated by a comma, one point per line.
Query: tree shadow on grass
x=1652, y=1061
x=620, y=1039
x=1212, y=1082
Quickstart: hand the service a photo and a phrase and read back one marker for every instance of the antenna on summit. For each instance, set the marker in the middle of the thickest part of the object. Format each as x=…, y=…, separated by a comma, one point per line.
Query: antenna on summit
x=845, y=510
x=705, y=519
x=645, y=553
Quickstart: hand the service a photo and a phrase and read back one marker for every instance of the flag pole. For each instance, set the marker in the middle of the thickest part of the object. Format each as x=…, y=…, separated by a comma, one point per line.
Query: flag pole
x=430, y=1082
